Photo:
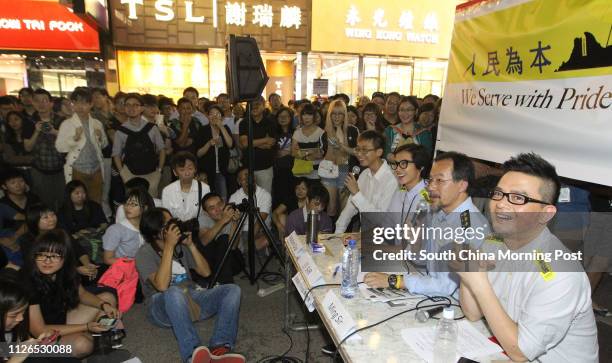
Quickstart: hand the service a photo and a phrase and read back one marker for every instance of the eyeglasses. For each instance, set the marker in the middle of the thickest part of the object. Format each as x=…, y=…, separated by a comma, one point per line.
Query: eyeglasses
x=130, y=105
x=51, y=257
x=132, y=204
x=514, y=198
x=436, y=181
x=403, y=164
x=338, y=114
x=359, y=150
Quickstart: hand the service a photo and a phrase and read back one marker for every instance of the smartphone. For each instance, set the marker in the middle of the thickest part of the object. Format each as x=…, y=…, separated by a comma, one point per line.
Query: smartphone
x=107, y=321
x=159, y=119
x=51, y=339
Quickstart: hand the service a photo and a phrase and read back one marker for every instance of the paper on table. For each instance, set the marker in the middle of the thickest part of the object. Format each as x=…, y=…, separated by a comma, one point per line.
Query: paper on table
x=471, y=343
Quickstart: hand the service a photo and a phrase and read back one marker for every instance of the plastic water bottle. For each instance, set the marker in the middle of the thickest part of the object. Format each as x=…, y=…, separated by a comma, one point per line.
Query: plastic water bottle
x=445, y=348
x=350, y=269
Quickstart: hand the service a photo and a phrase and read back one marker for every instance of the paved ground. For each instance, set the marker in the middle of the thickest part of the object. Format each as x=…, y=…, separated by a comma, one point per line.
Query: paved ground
x=261, y=323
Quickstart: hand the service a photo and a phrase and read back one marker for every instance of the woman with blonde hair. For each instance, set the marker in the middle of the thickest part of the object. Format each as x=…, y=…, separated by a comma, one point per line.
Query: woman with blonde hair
x=341, y=139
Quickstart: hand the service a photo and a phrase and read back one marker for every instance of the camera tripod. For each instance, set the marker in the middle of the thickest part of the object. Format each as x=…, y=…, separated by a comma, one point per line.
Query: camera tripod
x=249, y=210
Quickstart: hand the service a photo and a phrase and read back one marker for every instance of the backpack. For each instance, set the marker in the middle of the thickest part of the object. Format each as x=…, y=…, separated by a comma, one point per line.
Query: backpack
x=139, y=153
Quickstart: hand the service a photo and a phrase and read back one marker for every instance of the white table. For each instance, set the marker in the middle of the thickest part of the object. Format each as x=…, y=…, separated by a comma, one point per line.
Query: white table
x=382, y=343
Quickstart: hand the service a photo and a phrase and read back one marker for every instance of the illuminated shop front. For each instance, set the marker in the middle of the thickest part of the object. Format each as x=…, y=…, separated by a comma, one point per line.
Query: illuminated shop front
x=46, y=45
x=163, y=47
x=362, y=47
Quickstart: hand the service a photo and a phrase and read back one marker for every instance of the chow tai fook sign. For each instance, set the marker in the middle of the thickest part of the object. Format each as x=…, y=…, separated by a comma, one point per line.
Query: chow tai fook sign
x=196, y=23
x=42, y=25
x=386, y=27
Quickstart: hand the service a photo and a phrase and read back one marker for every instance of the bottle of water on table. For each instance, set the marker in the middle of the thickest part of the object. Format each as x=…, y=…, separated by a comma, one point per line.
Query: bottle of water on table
x=350, y=269
x=445, y=348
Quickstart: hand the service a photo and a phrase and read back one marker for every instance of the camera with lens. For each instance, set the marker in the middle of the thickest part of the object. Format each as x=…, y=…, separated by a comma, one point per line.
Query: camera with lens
x=242, y=207
x=46, y=127
x=189, y=226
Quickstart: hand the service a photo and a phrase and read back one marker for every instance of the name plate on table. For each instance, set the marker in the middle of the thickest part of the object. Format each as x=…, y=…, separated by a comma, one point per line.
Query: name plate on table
x=294, y=244
x=301, y=288
x=310, y=269
x=342, y=322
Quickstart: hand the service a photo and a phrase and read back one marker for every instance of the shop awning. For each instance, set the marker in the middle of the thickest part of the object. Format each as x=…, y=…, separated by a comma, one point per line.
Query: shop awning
x=43, y=25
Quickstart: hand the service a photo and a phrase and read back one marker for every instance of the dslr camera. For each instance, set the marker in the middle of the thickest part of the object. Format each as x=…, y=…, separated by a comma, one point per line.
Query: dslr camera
x=242, y=207
x=189, y=226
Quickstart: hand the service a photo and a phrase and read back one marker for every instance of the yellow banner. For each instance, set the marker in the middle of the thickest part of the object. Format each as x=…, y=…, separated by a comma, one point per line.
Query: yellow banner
x=537, y=40
x=384, y=27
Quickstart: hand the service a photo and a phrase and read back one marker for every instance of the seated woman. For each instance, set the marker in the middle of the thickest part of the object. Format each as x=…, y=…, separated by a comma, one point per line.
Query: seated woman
x=41, y=219
x=285, y=207
x=123, y=239
x=81, y=218
x=58, y=301
x=14, y=315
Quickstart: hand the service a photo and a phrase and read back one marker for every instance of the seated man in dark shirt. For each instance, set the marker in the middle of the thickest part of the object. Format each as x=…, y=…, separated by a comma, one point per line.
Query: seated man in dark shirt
x=16, y=192
x=317, y=199
x=217, y=226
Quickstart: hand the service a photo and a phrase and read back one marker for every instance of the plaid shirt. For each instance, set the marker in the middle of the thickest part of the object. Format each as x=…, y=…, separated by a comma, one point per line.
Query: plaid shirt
x=46, y=157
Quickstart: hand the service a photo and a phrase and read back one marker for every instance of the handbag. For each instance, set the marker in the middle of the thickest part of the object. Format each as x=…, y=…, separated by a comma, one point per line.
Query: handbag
x=302, y=167
x=328, y=169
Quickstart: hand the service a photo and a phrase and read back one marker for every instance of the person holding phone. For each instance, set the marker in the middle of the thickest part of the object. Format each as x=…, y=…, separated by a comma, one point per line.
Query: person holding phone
x=58, y=301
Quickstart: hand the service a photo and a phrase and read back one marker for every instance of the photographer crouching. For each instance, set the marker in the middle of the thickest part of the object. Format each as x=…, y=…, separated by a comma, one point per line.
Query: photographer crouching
x=217, y=225
x=173, y=300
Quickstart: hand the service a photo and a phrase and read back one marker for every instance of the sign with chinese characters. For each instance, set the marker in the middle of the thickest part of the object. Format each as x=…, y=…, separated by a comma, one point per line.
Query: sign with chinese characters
x=532, y=77
x=235, y=13
x=402, y=28
x=277, y=25
x=36, y=25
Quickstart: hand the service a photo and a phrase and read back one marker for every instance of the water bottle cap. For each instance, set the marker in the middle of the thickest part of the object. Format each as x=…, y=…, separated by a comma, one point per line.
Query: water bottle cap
x=352, y=243
x=449, y=313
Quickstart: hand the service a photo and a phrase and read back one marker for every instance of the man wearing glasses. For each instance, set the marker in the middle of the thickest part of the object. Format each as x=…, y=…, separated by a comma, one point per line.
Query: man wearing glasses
x=448, y=188
x=536, y=310
x=376, y=185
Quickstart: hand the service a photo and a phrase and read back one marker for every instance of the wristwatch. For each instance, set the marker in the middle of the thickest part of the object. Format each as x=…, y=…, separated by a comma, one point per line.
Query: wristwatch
x=392, y=280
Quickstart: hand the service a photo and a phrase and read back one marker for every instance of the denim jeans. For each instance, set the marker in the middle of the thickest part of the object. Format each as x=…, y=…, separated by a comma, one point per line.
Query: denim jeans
x=169, y=309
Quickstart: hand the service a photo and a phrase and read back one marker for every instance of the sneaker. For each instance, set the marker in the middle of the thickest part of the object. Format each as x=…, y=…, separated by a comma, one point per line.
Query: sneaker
x=329, y=349
x=222, y=354
x=219, y=355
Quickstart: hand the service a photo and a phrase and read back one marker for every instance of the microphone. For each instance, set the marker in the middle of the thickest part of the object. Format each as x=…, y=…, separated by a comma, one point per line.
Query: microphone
x=356, y=170
x=422, y=207
x=423, y=315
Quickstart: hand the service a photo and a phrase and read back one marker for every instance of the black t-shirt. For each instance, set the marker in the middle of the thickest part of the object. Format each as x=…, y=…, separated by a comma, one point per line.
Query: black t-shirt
x=90, y=217
x=194, y=133
x=263, y=158
x=51, y=305
x=12, y=224
x=207, y=162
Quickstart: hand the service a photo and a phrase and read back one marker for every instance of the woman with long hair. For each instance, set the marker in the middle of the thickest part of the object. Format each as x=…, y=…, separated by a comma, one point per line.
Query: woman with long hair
x=288, y=205
x=123, y=239
x=371, y=119
x=17, y=131
x=407, y=131
x=58, y=301
x=307, y=143
x=214, y=154
x=342, y=139
x=353, y=116
x=284, y=161
x=14, y=316
x=79, y=215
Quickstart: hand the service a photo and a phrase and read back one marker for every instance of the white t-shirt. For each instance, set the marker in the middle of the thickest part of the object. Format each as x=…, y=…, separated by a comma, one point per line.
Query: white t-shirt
x=263, y=200
x=183, y=206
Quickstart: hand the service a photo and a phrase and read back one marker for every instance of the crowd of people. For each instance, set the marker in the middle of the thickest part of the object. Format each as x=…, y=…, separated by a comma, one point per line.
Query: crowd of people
x=110, y=201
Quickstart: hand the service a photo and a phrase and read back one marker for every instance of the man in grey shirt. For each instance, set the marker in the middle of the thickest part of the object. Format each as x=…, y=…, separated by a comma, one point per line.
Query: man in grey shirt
x=538, y=310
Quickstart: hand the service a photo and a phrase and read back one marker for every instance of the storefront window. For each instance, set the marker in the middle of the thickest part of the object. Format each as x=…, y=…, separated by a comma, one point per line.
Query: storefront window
x=61, y=82
x=163, y=72
x=429, y=77
x=387, y=75
x=12, y=74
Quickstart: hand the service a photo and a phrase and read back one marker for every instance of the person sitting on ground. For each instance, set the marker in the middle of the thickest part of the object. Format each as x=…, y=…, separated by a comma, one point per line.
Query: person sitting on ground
x=297, y=201
x=317, y=200
x=124, y=239
x=182, y=197
x=170, y=297
x=14, y=317
x=263, y=202
x=217, y=225
x=16, y=193
x=80, y=216
x=132, y=184
x=58, y=301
